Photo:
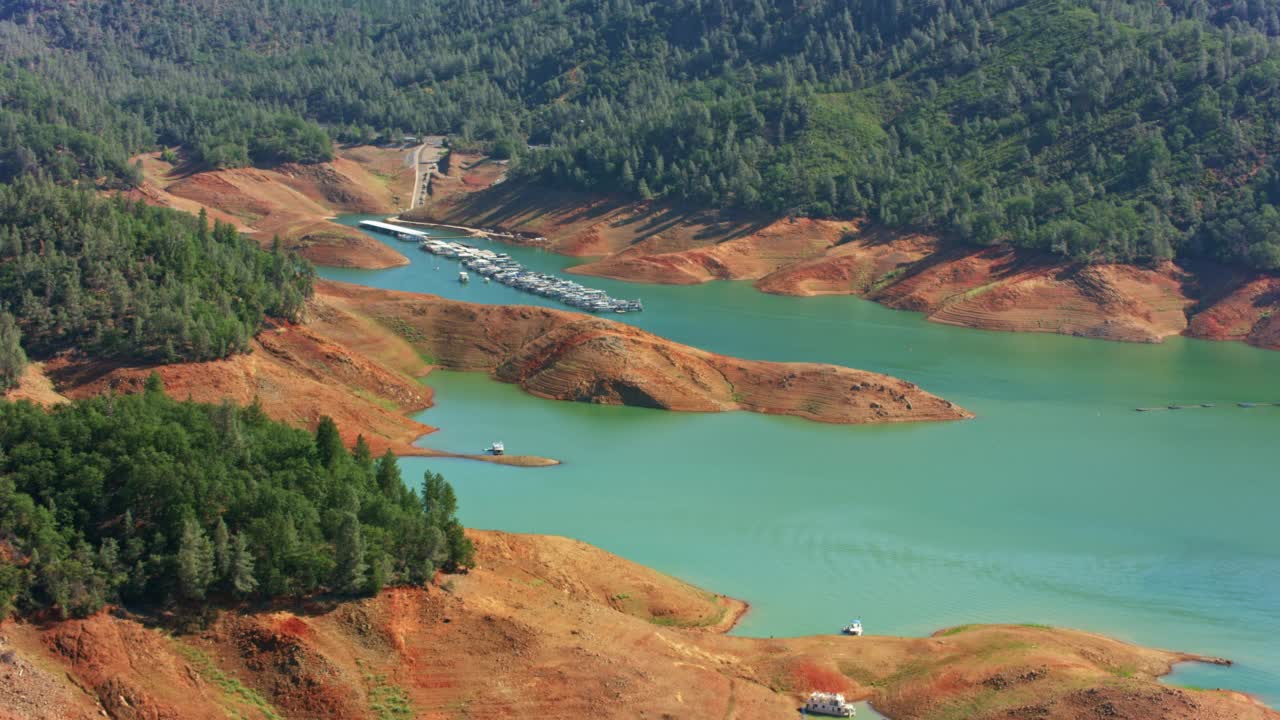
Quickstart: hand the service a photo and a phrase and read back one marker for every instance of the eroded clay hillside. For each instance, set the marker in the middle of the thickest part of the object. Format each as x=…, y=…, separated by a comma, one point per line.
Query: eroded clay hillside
x=548, y=627
x=295, y=202
x=992, y=288
x=360, y=355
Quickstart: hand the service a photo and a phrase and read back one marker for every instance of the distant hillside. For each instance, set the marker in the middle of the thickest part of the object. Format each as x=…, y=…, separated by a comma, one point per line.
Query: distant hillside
x=1118, y=130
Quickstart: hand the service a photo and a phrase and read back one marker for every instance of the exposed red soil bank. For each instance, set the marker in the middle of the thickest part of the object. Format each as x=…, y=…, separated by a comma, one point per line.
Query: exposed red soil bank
x=992, y=288
x=547, y=627
x=571, y=356
x=361, y=353
x=296, y=202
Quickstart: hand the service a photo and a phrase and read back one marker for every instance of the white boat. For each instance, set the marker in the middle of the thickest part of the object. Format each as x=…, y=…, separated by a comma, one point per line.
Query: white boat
x=833, y=704
x=496, y=449
x=853, y=628
x=463, y=277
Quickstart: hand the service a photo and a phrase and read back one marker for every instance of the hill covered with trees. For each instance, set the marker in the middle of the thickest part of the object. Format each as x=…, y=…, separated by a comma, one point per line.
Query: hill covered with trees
x=1098, y=129
x=121, y=279
x=143, y=499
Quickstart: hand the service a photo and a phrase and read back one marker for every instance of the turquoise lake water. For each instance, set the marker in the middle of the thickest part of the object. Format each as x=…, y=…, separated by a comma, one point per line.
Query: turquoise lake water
x=1058, y=504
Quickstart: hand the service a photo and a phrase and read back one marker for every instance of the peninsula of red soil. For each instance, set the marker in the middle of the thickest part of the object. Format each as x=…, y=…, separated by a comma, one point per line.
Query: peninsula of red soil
x=296, y=202
x=361, y=353
x=995, y=288
x=571, y=356
x=547, y=627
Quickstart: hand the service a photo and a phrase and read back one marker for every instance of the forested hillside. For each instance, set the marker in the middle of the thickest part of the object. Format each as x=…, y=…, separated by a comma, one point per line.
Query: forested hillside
x=145, y=499
x=121, y=279
x=1098, y=129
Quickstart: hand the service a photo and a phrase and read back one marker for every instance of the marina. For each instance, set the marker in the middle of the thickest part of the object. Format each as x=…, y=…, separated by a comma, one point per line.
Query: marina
x=502, y=268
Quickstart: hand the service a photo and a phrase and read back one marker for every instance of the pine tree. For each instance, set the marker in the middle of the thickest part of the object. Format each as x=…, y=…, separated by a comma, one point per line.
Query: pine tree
x=329, y=445
x=388, y=474
x=242, y=578
x=12, y=358
x=438, y=499
x=221, y=550
x=461, y=551
x=195, y=561
x=363, y=456
x=153, y=385
x=350, y=567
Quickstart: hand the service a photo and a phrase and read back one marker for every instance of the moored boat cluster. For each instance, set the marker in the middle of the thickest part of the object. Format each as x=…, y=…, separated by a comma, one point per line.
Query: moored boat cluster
x=502, y=268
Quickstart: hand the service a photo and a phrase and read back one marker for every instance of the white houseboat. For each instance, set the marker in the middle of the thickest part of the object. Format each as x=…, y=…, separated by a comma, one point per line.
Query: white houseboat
x=833, y=704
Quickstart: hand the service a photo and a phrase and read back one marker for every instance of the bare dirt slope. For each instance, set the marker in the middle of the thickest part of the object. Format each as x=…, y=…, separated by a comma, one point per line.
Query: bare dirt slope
x=571, y=356
x=361, y=353
x=295, y=202
x=35, y=386
x=992, y=288
x=295, y=372
x=552, y=628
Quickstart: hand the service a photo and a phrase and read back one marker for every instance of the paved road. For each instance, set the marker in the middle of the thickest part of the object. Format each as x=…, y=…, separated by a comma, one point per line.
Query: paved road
x=428, y=153
x=417, y=176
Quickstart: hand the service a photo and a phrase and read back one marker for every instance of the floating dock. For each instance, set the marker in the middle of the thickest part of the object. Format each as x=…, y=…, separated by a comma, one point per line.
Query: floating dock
x=399, y=233
x=502, y=268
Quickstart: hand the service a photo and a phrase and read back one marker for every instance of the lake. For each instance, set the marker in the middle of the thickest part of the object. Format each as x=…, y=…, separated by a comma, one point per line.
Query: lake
x=1058, y=504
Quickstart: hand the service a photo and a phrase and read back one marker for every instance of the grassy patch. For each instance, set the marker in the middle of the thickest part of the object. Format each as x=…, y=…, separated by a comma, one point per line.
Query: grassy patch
x=858, y=673
x=402, y=328
x=844, y=127
x=234, y=691
x=1122, y=671
x=956, y=630
x=970, y=707
x=387, y=700
x=909, y=671
x=381, y=402
x=673, y=621
x=887, y=278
